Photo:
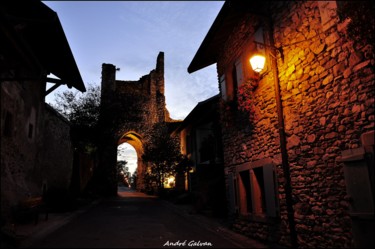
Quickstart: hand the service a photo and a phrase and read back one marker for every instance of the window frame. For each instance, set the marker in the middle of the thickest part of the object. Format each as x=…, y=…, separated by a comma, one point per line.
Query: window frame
x=268, y=205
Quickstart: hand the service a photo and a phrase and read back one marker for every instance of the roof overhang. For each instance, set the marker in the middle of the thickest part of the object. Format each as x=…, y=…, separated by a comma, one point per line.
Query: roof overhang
x=202, y=111
x=38, y=29
x=220, y=31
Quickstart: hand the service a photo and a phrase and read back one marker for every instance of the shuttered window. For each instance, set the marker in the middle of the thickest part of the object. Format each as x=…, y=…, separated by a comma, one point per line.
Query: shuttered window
x=239, y=73
x=257, y=189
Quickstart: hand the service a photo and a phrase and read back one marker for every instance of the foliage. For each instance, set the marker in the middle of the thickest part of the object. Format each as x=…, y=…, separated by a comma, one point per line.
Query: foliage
x=361, y=16
x=245, y=97
x=133, y=179
x=162, y=152
x=123, y=173
x=81, y=109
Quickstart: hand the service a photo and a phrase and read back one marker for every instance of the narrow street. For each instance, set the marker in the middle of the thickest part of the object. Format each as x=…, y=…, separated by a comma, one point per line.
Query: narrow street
x=136, y=220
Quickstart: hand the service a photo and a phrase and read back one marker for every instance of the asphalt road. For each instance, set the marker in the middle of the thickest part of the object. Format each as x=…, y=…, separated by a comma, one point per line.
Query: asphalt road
x=135, y=220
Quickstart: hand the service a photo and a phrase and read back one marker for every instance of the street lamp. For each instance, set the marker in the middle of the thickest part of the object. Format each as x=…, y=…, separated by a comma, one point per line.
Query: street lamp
x=257, y=61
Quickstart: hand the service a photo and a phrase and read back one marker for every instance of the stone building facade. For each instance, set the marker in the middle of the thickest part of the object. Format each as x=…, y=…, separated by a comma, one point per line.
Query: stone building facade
x=318, y=191
x=36, y=152
x=129, y=109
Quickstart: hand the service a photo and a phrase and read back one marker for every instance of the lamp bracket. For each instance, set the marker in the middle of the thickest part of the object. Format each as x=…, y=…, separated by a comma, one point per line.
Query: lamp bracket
x=278, y=49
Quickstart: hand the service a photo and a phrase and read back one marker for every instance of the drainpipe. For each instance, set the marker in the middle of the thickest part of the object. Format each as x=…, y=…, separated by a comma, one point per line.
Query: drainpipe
x=281, y=128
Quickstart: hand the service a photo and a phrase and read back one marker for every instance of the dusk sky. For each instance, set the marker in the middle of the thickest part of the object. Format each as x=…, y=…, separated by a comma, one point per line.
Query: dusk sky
x=130, y=35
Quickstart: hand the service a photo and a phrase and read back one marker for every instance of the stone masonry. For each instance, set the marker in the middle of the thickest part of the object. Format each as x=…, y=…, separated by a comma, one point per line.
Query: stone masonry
x=36, y=150
x=327, y=94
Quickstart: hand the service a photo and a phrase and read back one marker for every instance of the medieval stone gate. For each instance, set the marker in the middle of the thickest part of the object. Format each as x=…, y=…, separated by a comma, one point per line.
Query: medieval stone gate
x=128, y=110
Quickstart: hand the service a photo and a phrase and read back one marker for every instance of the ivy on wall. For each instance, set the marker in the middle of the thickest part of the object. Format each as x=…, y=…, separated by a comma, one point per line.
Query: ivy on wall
x=245, y=97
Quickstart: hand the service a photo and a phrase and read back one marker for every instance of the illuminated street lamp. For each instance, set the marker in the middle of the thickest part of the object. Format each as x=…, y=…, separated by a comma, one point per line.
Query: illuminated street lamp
x=257, y=62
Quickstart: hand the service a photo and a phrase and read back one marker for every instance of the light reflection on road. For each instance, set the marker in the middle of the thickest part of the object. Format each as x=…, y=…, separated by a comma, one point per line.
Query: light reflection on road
x=127, y=192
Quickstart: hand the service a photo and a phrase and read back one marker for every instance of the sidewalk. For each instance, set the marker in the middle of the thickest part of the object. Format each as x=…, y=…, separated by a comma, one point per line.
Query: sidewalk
x=24, y=235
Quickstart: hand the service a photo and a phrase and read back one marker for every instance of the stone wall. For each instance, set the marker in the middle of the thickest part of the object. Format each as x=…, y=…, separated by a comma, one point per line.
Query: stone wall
x=55, y=164
x=327, y=90
x=21, y=134
x=36, y=150
x=328, y=99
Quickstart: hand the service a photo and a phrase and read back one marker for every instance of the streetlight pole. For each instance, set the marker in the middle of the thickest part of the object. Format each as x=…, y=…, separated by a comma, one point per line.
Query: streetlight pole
x=282, y=136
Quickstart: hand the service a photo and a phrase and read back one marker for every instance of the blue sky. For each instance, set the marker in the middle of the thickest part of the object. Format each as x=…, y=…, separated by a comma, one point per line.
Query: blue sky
x=130, y=34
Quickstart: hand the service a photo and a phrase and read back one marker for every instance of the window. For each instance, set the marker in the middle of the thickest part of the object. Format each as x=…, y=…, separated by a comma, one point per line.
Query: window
x=205, y=144
x=31, y=129
x=245, y=194
x=188, y=144
x=237, y=77
x=256, y=189
x=230, y=84
x=232, y=193
x=207, y=149
x=8, y=124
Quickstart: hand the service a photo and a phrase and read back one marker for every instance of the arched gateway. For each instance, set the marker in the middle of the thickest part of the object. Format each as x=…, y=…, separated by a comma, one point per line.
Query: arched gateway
x=128, y=110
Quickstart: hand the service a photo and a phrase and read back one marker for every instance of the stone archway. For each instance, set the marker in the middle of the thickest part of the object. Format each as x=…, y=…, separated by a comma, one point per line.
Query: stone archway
x=135, y=140
x=128, y=110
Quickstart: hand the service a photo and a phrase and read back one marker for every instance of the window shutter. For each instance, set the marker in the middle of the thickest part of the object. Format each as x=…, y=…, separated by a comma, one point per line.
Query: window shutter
x=269, y=189
x=239, y=72
x=357, y=181
x=223, y=87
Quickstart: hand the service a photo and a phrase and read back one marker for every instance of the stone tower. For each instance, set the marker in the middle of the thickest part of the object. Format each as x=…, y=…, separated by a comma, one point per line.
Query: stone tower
x=128, y=110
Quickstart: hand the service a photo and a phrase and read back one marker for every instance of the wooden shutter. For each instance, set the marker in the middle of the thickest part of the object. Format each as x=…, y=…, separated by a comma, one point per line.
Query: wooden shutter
x=223, y=87
x=269, y=190
x=239, y=72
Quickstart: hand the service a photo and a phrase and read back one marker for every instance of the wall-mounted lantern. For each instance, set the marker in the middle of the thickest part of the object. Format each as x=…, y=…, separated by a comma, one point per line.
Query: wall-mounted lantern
x=257, y=62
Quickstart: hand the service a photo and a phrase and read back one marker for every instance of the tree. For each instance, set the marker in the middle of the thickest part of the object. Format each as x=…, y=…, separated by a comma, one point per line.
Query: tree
x=162, y=152
x=123, y=173
x=82, y=110
x=133, y=180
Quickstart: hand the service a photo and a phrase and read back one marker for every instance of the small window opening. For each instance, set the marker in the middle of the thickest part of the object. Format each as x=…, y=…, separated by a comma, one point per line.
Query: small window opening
x=31, y=129
x=8, y=124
